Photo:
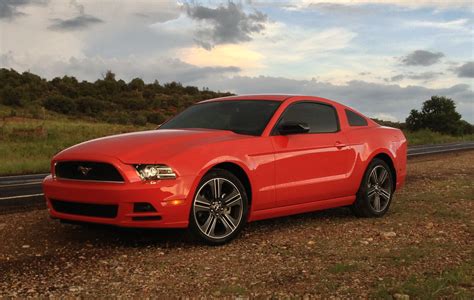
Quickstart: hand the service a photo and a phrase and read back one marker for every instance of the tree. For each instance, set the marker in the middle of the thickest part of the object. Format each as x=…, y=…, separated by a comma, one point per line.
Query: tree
x=415, y=120
x=11, y=96
x=437, y=114
x=136, y=84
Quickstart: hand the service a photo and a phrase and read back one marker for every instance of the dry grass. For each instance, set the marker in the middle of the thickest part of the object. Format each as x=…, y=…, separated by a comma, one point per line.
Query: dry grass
x=428, y=253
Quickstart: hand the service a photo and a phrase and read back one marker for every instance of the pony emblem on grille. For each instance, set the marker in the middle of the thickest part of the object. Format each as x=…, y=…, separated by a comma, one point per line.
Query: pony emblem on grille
x=84, y=170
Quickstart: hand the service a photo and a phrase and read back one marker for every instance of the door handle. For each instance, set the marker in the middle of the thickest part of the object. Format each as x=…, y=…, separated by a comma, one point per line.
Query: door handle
x=340, y=145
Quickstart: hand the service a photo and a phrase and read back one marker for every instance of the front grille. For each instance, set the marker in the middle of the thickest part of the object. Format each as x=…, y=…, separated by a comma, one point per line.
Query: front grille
x=85, y=209
x=86, y=170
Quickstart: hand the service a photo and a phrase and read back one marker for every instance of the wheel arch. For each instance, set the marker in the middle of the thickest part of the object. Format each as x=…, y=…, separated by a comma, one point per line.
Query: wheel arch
x=390, y=162
x=238, y=172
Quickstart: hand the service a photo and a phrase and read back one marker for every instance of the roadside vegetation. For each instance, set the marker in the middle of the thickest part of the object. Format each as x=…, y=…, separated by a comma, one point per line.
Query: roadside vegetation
x=27, y=145
x=427, y=137
x=38, y=117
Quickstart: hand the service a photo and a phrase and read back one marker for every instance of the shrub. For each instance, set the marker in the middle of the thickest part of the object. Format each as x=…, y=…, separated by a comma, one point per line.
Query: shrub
x=91, y=106
x=155, y=118
x=60, y=104
x=139, y=120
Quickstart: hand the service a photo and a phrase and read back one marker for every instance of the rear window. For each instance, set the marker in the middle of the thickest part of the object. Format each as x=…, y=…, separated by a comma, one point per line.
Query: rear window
x=355, y=119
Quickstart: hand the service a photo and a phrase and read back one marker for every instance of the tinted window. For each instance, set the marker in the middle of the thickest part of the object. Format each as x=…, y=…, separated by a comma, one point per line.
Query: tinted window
x=240, y=116
x=320, y=117
x=355, y=119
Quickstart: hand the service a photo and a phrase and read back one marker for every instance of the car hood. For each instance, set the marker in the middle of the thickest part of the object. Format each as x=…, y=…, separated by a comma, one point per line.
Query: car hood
x=153, y=146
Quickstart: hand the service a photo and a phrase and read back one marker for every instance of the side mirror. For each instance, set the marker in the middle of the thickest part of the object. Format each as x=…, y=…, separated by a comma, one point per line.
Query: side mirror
x=286, y=128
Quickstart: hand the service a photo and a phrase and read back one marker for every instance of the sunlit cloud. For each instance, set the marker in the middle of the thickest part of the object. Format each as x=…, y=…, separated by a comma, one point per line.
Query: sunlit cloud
x=383, y=57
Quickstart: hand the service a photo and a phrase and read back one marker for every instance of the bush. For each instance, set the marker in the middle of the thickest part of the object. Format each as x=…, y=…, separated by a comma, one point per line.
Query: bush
x=60, y=104
x=155, y=118
x=11, y=97
x=139, y=120
x=91, y=106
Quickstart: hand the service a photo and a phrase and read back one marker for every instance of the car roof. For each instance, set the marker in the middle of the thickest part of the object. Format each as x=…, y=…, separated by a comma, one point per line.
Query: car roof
x=283, y=97
x=274, y=97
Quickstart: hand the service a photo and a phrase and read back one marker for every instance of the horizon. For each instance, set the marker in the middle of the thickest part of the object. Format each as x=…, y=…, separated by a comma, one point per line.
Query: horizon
x=382, y=58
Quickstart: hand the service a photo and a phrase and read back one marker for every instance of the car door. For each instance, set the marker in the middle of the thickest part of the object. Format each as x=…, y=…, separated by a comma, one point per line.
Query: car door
x=315, y=165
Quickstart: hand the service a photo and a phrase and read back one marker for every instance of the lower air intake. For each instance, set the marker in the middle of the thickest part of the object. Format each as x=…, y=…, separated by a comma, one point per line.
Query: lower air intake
x=85, y=209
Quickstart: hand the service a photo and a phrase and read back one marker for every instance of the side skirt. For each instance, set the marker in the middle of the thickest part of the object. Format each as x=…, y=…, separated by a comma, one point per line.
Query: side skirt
x=300, y=208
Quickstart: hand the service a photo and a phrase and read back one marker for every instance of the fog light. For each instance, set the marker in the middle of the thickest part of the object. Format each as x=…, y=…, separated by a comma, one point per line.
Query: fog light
x=142, y=207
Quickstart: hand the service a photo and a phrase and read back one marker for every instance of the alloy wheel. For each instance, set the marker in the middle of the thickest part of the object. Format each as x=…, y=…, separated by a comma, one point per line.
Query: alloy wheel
x=218, y=208
x=379, y=188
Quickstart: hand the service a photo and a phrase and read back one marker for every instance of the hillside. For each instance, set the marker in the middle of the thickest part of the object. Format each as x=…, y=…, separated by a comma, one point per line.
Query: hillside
x=107, y=99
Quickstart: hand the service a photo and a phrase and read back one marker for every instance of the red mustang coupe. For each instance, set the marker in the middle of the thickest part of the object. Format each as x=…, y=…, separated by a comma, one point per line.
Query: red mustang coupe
x=227, y=161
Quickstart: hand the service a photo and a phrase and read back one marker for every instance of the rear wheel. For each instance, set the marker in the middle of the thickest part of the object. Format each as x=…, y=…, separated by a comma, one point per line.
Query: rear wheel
x=219, y=209
x=376, y=190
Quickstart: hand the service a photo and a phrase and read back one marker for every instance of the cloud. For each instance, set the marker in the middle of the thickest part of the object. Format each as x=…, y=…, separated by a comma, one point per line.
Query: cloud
x=9, y=8
x=422, y=58
x=76, y=23
x=460, y=24
x=303, y=4
x=371, y=99
x=225, y=24
x=465, y=70
x=397, y=77
x=82, y=21
x=426, y=76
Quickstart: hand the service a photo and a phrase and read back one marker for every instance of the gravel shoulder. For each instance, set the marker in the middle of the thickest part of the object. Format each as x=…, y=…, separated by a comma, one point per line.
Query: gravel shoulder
x=422, y=248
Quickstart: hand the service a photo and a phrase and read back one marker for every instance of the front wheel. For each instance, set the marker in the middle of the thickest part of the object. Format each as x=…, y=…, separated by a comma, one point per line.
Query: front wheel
x=375, y=193
x=219, y=209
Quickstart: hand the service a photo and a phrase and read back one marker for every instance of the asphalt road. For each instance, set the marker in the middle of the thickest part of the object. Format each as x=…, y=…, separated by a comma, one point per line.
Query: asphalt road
x=24, y=192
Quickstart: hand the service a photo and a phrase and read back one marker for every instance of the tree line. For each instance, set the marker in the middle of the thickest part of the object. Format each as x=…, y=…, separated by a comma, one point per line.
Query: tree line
x=138, y=103
x=106, y=99
x=437, y=114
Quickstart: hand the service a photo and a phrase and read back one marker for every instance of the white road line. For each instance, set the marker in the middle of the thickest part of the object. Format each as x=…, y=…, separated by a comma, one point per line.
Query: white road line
x=437, y=151
x=22, y=196
x=28, y=175
x=435, y=147
x=20, y=184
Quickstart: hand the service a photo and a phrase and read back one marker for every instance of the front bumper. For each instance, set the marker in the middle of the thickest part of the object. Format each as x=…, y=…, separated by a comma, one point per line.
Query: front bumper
x=170, y=199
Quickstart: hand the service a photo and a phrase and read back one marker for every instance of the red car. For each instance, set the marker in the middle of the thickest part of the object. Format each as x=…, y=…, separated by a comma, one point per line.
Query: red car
x=227, y=161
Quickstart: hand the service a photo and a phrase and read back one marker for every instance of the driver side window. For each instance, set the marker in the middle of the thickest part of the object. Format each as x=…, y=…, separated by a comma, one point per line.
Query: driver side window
x=321, y=118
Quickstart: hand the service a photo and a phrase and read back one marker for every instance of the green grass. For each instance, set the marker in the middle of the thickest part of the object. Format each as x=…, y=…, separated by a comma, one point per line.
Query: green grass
x=455, y=283
x=342, y=268
x=425, y=137
x=27, y=152
x=22, y=153
x=232, y=290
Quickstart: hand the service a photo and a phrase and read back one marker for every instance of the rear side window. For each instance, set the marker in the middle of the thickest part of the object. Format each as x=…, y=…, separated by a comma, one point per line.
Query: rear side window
x=355, y=119
x=321, y=118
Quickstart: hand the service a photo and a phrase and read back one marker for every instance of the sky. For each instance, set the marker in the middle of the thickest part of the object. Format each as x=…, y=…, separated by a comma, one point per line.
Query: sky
x=381, y=57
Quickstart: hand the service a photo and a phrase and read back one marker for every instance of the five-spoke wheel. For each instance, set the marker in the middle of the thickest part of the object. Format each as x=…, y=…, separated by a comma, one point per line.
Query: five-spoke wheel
x=219, y=208
x=375, y=192
x=379, y=188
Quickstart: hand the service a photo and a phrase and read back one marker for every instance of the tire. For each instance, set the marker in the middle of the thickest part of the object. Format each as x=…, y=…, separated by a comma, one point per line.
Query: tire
x=379, y=186
x=218, y=215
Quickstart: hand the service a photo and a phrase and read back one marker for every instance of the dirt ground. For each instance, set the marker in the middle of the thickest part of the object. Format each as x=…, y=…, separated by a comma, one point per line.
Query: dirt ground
x=423, y=248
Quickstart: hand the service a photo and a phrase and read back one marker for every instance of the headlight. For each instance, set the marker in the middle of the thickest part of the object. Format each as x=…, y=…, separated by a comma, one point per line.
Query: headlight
x=155, y=172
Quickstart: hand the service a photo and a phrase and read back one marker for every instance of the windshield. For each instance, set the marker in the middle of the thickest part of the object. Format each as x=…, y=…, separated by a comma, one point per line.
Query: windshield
x=240, y=116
